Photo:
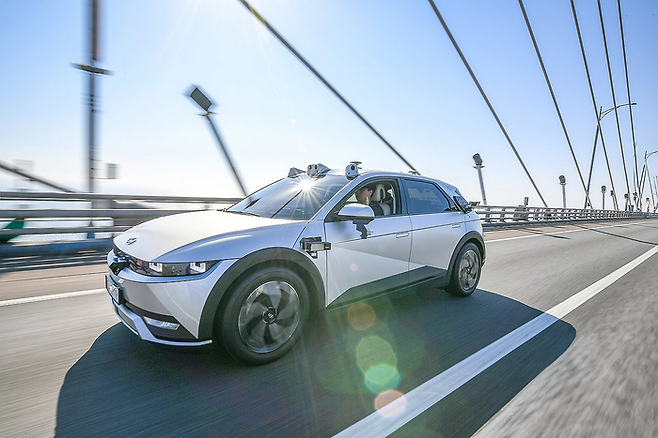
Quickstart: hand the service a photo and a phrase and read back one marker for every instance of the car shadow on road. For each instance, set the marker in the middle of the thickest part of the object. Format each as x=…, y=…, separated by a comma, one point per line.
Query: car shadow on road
x=347, y=359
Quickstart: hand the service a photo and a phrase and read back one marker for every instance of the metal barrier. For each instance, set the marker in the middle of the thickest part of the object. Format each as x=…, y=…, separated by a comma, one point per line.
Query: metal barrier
x=51, y=216
x=521, y=214
x=89, y=221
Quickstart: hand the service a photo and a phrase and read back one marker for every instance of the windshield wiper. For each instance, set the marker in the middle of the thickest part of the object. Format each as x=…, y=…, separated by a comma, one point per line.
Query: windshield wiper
x=243, y=212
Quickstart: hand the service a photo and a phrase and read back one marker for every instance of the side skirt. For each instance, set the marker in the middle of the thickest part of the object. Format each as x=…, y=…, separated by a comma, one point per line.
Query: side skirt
x=415, y=279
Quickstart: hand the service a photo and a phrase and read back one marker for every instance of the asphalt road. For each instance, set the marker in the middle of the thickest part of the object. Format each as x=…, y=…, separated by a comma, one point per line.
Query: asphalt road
x=68, y=368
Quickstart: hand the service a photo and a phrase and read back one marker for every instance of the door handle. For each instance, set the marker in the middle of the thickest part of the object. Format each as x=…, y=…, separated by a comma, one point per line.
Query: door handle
x=402, y=235
x=456, y=225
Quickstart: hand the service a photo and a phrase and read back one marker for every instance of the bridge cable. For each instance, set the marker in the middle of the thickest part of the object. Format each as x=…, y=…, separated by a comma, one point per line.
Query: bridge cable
x=596, y=112
x=550, y=89
x=484, y=96
x=292, y=50
x=614, y=101
x=630, y=107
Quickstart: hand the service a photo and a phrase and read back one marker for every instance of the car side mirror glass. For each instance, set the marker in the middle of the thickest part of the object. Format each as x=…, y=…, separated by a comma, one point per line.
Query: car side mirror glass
x=357, y=213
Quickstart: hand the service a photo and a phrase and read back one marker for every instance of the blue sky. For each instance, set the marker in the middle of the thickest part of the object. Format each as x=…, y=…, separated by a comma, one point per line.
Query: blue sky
x=390, y=59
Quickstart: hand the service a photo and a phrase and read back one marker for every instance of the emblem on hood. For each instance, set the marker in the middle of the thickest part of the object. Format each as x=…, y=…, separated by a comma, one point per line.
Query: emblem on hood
x=131, y=240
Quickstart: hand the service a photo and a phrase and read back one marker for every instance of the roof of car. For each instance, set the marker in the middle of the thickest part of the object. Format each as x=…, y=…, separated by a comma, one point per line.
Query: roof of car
x=320, y=169
x=372, y=172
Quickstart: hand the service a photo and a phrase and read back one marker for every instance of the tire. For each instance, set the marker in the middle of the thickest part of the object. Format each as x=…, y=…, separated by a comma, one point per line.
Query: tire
x=466, y=271
x=264, y=316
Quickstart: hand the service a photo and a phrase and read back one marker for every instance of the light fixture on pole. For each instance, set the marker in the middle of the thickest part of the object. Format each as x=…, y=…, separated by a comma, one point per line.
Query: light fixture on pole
x=205, y=103
x=479, y=166
x=563, y=183
x=603, y=193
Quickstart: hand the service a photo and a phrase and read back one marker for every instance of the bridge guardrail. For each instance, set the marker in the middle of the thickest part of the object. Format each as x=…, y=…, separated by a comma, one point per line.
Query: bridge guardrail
x=75, y=217
x=498, y=214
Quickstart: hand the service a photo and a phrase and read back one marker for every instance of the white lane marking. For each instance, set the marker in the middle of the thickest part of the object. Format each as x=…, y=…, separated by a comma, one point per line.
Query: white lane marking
x=559, y=232
x=387, y=420
x=15, y=301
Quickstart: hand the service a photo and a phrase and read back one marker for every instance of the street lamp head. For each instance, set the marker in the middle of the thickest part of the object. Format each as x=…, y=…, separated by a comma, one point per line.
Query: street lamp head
x=477, y=159
x=200, y=99
x=563, y=180
x=603, y=189
x=602, y=114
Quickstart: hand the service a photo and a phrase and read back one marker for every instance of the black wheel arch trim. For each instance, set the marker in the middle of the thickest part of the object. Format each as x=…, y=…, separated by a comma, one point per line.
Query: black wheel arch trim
x=470, y=236
x=301, y=263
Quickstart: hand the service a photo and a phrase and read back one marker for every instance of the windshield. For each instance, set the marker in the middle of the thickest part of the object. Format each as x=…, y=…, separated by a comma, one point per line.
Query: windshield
x=296, y=198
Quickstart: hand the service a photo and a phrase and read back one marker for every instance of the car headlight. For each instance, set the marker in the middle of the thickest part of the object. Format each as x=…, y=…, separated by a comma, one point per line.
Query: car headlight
x=154, y=269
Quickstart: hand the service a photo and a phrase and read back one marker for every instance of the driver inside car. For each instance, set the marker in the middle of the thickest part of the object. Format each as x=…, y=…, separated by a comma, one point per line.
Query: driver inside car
x=363, y=196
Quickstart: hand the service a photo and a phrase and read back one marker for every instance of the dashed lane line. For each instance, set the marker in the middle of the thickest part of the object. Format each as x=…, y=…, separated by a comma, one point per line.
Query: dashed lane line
x=15, y=301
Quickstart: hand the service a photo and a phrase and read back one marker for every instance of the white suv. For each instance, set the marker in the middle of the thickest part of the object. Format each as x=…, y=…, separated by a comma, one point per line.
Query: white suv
x=250, y=275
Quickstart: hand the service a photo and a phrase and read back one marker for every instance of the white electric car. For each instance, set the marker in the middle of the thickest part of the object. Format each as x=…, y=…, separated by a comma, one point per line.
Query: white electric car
x=249, y=276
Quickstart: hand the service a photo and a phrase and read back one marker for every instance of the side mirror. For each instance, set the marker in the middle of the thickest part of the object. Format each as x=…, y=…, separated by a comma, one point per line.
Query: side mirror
x=357, y=213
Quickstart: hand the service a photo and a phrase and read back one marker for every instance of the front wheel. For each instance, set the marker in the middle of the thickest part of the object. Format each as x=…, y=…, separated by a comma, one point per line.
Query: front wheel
x=263, y=318
x=466, y=271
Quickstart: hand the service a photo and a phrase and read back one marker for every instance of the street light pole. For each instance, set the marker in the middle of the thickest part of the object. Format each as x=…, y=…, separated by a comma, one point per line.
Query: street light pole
x=563, y=183
x=603, y=200
x=601, y=115
x=205, y=103
x=645, y=168
x=655, y=204
x=479, y=166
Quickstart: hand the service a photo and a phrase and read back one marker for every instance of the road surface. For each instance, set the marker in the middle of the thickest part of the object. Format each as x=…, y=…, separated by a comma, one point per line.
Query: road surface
x=559, y=340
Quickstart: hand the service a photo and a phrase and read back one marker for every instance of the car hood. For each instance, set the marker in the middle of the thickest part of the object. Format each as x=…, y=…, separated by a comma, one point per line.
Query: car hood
x=206, y=235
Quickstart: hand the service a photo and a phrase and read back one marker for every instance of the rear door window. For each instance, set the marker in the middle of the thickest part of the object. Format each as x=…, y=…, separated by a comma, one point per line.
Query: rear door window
x=425, y=198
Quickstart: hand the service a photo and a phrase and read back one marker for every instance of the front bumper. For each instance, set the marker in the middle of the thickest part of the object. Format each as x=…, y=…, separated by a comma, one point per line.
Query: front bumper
x=136, y=324
x=145, y=300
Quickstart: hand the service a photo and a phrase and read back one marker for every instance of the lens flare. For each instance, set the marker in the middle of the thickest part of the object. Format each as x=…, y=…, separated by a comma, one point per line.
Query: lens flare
x=372, y=351
x=361, y=316
x=382, y=377
x=390, y=403
x=306, y=184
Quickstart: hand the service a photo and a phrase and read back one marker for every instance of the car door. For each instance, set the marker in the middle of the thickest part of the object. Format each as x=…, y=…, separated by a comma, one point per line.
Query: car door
x=358, y=266
x=437, y=227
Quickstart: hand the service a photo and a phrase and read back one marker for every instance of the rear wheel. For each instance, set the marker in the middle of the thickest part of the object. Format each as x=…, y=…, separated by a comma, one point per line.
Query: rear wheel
x=263, y=317
x=466, y=271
